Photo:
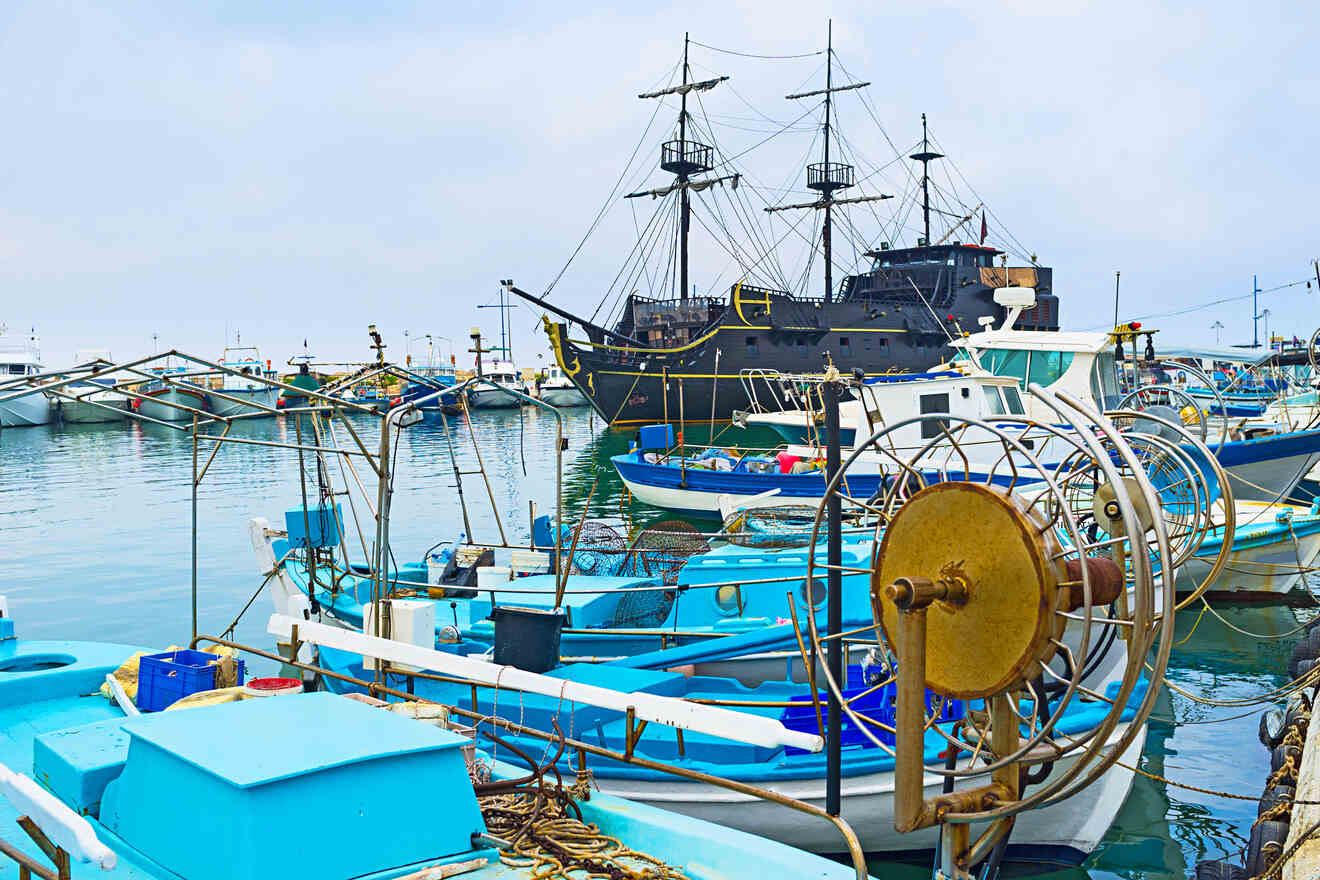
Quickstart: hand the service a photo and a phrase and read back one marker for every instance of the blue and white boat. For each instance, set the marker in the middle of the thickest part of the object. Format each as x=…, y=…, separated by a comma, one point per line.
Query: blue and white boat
x=694, y=480
x=244, y=394
x=1063, y=832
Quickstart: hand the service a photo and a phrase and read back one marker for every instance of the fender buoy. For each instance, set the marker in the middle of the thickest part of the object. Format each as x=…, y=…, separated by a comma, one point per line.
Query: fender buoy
x=1266, y=845
x=1218, y=869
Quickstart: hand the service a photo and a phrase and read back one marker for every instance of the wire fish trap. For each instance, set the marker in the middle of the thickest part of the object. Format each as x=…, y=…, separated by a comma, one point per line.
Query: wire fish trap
x=600, y=550
x=771, y=527
x=661, y=550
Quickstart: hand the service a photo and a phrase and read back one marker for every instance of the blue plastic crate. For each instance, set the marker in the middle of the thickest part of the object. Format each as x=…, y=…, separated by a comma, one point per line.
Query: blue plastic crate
x=657, y=437
x=165, y=678
x=324, y=522
x=879, y=704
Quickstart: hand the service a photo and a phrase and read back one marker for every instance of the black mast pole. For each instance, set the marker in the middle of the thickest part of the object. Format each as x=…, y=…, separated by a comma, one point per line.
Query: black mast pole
x=828, y=193
x=684, y=210
x=925, y=179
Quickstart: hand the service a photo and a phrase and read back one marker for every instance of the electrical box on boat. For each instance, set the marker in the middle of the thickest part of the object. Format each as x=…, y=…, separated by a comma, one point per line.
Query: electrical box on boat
x=319, y=526
x=657, y=437
x=411, y=621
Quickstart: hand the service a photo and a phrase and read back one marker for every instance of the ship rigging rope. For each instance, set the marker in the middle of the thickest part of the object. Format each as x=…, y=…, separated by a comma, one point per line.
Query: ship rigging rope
x=758, y=56
x=609, y=199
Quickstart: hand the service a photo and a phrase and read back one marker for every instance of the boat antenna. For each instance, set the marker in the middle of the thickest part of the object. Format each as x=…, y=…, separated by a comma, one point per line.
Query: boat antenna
x=825, y=176
x=924, y=157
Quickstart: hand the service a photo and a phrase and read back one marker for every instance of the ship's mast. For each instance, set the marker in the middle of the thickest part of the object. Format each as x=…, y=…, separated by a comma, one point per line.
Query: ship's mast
x=825, y=176
x=684, y=205
x=684, y=158
x=924, y=158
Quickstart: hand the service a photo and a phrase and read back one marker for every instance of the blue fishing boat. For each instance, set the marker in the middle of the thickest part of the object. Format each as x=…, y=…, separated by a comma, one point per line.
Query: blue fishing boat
x=124, y=791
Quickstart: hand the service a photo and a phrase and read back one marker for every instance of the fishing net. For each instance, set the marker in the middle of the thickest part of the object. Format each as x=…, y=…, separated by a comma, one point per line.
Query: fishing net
x=600, y=550
x=542, y=821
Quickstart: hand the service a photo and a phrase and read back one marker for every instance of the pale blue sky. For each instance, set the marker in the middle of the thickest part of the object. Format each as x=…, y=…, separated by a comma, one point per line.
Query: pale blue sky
x=301, y=169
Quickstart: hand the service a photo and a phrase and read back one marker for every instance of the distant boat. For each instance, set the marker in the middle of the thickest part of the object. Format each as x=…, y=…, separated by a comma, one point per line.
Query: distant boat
x=503, y=374
x=253, y=397
x=559, y=390
x=304, y=379
x=21, y=357
x=97, y=403
x=163, y=401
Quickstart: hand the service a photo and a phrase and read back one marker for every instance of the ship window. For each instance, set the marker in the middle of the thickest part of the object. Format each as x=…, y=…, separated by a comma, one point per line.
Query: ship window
x=801, y=345
x=884, y=343
x=1104, y=382
x=1048, y=366
x=992, y=400
x=1014, y=400
x=17, y=369
x=751, y=345
x=1006, y=362
x=843, y=342
x=933, y=403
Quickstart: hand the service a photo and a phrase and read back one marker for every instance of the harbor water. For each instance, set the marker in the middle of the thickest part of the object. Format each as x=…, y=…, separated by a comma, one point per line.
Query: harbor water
x=96, y=528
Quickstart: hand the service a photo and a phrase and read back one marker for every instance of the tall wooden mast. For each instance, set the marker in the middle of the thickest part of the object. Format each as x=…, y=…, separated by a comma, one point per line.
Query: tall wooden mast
x=825, y=176
x=683, y=158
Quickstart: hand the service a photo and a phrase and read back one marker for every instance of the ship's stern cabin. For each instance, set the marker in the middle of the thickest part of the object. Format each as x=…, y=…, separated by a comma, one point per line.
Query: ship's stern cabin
x=950, y=277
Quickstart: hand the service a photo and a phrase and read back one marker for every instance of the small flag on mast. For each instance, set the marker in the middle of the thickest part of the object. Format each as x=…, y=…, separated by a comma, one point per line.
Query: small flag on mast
x=984, y=231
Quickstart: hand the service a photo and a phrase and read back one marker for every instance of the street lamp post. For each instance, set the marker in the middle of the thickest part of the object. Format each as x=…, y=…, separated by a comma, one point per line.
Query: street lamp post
x=1217, y=326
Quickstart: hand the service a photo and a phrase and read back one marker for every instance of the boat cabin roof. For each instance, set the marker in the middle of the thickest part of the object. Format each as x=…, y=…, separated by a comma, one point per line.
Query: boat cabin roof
x=1078, y=342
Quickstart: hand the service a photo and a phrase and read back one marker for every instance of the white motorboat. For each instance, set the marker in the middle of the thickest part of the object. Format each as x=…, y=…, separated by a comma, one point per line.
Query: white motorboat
x=559, y=391
x=21, y=357
x=505, y=375
x=243, y=395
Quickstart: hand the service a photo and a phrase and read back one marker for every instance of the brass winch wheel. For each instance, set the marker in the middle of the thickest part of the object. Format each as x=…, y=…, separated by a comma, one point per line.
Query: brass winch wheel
x=1003, y=559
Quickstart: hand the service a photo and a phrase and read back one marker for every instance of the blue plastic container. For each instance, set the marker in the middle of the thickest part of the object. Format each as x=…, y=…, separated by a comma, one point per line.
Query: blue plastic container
x=657, y=437
x=879, y=704
x=165, y=678
x=325, y=523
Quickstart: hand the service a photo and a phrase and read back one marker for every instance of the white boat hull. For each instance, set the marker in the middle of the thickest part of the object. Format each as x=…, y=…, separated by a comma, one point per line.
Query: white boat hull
x=78, y=412
x=31, y=409
x=260, y=395
x=1077, y=824
x=1274, y=568
x=158, y=406
x=563, y=397
x=1270, y=479
x=490, y=398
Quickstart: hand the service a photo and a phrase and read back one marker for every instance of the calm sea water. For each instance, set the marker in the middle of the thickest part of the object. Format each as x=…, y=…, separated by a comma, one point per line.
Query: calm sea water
x=95, y=544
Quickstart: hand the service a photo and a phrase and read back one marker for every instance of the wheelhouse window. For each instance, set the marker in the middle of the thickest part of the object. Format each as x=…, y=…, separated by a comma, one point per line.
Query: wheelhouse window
x=1014, y=400
x=993, y=402
x=752, y=347
x=933, y=403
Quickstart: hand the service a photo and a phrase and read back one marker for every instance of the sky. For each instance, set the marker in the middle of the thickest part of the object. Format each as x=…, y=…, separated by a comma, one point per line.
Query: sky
x=296, y=171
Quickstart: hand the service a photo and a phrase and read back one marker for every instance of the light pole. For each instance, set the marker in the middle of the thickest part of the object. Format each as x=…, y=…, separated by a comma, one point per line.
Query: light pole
x=1265, y=315
x=1217, y=326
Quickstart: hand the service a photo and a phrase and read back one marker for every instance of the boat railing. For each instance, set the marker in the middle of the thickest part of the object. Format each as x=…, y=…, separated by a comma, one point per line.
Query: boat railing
x=57, y=831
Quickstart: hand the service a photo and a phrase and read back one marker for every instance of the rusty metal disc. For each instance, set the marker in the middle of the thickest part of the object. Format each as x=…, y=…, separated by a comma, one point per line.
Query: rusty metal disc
x=996, y=639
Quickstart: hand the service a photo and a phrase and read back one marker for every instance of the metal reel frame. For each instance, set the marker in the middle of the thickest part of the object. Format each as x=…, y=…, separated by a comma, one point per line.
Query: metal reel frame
x=1197, y=373
x=1218, y=475
x=1092, y=752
